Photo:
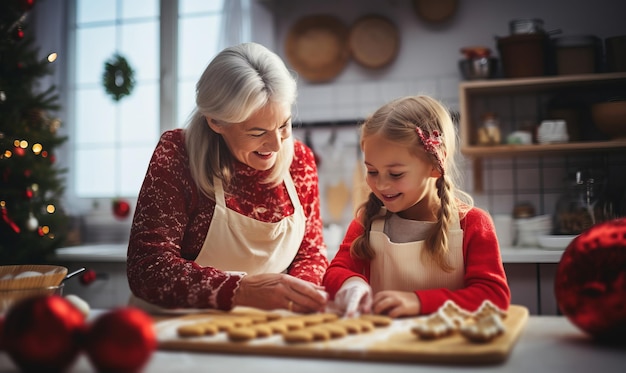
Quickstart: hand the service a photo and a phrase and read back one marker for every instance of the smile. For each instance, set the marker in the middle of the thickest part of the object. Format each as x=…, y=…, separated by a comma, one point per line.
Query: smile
x=390, y=196
x=264, y=155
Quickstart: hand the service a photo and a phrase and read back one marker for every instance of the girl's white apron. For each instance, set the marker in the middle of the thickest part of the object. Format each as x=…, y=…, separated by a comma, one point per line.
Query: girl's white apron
x=399, y=266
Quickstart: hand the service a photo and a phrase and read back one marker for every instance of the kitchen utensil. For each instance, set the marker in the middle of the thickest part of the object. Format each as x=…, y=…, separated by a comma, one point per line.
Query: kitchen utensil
x=316, y=46
x=529, y=229
x=337, y=198
x=610, y=118
x=18, y=282
x=478, y=68
x=435, y=11
x=8, y=297
x=578, y=54
x=615, y=49
x=360, y=189
x=374, y=41
x=72, y=274
x=552, y=131
x=524, y=55
x=529, y=26
x=526, y=26
x=392, y=343
x=30, y=276
x=555, y=242
x=477, y=51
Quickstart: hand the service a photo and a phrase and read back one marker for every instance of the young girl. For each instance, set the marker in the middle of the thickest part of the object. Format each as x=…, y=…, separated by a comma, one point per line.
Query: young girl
x=417, y=241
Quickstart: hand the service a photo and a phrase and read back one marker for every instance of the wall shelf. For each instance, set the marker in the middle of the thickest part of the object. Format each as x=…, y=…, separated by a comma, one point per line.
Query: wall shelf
x=522, y=99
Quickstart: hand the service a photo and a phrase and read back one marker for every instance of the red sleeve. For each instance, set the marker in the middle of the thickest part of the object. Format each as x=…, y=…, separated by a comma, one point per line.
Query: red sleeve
x=311, y=261
x=484, y=272
x=167, y=233
x=343, y=266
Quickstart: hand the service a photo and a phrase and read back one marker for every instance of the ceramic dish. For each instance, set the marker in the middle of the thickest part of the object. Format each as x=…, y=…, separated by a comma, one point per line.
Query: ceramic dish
x=555, y=242
x=317, y=47
x=374, y=41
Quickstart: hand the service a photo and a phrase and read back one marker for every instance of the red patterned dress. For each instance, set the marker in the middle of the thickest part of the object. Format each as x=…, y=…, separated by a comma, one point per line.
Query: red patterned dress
x=172, y=218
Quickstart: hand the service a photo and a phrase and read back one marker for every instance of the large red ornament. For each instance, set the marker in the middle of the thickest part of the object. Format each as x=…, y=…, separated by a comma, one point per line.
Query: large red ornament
x=121, y=208
x=42, y=334
x=121, y=340
x=590, y=285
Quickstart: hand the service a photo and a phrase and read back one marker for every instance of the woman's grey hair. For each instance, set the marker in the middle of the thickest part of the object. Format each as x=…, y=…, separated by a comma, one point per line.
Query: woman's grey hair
x=239, y=81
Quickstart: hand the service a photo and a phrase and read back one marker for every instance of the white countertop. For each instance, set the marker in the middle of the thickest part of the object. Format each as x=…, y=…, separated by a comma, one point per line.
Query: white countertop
x=547, y=344
x=117, y=253
x=93, y=253
x=530, y=255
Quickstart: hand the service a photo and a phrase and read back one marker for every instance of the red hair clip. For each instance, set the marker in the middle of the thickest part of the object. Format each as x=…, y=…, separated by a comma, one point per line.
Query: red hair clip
x=431, y=143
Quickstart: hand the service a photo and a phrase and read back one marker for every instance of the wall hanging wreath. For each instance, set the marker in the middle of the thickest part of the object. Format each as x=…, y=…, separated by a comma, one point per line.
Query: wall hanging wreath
x=118, y=78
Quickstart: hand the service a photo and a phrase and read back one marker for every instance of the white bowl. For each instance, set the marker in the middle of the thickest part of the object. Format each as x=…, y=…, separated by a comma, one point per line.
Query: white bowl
x=555, y=242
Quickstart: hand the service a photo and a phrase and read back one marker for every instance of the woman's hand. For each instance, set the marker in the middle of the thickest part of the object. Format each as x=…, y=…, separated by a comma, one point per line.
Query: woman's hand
x=396, y=303
x=276, y=290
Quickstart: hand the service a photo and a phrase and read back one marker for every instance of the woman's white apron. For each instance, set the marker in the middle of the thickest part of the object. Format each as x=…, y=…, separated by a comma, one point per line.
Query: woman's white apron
x=237, y=243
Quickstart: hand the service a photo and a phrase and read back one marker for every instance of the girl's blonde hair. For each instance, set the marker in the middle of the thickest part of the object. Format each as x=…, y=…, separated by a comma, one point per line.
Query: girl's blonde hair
x=419, y=123
x=238, y=82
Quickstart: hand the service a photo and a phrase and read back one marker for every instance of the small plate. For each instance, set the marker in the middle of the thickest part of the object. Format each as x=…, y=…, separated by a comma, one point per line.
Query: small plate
x=555, y=242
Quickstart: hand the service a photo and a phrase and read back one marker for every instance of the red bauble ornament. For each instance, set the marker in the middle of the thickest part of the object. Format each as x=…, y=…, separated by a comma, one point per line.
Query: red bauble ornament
x=42, y=334
x=88, y=277
x=121, y=340
x=590, y=285
x=19, y=151
x=19, y=33
x=121, y=208
x=26, y=5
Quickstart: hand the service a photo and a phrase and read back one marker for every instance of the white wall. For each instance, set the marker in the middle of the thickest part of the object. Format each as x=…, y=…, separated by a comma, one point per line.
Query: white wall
x=429, y=54
x=426, y=63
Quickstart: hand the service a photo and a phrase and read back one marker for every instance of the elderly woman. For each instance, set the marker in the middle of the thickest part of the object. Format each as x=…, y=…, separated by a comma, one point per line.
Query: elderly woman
x=229, y=214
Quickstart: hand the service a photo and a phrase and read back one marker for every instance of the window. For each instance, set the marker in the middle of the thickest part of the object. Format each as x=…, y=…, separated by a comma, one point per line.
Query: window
x=111, y=142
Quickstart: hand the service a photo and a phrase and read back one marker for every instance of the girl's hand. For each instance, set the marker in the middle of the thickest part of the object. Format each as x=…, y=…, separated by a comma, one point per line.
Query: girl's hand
x=353, y=298
x=276, y=290
x=396, y=303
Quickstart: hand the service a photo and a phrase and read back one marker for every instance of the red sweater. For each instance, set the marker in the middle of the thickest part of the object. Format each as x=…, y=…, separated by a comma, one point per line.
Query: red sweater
x=484, y=273
x=172, y=219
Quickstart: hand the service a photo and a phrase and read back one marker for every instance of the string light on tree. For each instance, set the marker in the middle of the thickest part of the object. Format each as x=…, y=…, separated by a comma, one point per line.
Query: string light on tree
x=32, y=221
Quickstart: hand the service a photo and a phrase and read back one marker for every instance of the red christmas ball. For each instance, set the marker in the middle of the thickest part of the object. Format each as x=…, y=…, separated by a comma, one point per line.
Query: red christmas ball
x=121, y=340
x=19, y=151
x=19, y=33
x=590, y=284
x=42, y=333
x=26, y=5
x=121, y=208
x=88, y=277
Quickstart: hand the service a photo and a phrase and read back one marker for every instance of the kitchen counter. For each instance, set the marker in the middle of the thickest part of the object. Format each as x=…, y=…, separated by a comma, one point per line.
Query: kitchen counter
x=530, y=272
x=547, y=344
x=530, y=255
x=117, y=253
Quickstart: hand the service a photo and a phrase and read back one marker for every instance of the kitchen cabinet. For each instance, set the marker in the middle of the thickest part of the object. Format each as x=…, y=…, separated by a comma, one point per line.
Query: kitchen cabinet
x=110, y=288
x=522, y=103
x=532, y=285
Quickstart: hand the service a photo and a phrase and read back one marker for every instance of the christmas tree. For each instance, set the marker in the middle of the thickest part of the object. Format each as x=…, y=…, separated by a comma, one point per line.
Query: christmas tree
x=33, y=222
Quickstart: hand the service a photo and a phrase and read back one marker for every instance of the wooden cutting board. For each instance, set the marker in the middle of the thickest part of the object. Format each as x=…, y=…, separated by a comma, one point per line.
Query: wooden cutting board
x=392, y=343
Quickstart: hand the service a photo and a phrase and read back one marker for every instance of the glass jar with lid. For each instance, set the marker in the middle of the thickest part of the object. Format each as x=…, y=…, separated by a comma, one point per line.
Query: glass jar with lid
x=582, y=204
